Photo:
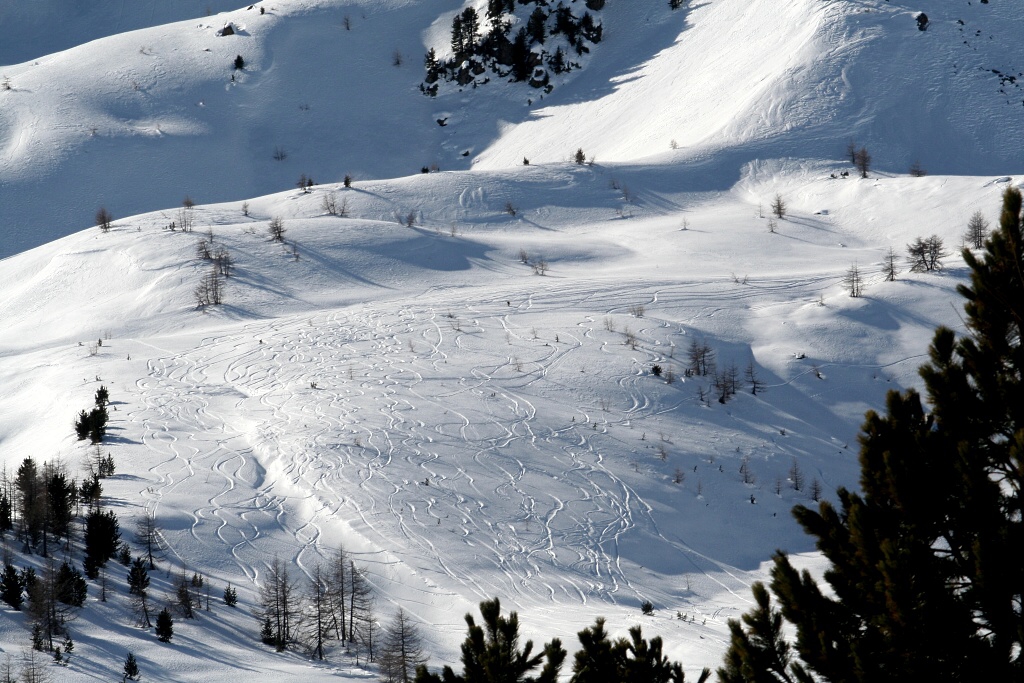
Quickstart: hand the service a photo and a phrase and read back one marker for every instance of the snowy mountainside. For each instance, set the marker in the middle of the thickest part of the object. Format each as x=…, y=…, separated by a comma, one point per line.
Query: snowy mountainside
x=454, y=373
x=466, y=427
x=136, y=121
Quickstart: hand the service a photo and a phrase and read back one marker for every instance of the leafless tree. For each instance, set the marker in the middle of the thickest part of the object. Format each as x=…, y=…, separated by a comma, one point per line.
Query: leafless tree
x=889, y=266
x=745, y=472
x=925, y=255
x=862, y=160
x=815, y=490
x=700, y=358
x=778, y=206
x=853, y=282
x=147, y=535
x=279, y=604
x=104, y=218
x=276, y=229
x=917, y=171
x=316, y=626
x=851, y=150
x=401, y=650
x=210, y=290
x=796, y=476
x=186, y=218
x=753, y=380
x=977, y=231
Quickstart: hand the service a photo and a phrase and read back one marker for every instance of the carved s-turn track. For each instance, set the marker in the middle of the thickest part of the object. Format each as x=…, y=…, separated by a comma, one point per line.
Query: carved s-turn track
x=439, y=438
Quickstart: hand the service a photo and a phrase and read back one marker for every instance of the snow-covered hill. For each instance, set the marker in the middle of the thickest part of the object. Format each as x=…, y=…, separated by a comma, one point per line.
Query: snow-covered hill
x=137, y=120
x=469, y=403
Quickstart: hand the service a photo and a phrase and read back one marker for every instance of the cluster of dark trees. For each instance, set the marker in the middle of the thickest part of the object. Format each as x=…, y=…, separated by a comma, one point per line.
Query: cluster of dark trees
x=92, y=425
x=921, y=584
x=549, y=37
x=39, y=506
x=491, y=653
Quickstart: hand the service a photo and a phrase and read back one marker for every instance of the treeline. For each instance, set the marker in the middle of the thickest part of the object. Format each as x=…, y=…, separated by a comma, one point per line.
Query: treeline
x=550, y=37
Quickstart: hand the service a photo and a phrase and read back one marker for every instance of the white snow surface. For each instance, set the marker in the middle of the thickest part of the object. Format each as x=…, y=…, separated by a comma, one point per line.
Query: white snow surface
x=468, y=428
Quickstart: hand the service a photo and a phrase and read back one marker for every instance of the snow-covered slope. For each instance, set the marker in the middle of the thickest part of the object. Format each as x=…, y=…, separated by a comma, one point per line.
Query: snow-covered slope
x=467, y=427
x=135, y=121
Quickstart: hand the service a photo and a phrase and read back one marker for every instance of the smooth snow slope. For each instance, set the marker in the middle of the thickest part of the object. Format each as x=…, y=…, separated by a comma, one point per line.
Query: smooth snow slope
x=136, y=121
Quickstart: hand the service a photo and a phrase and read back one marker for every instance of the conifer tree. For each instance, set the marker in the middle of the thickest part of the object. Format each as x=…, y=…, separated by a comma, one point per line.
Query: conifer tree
x=626, y=660
x=164, y=626
x=131, y=668
x=491, y=653
x=922, y=584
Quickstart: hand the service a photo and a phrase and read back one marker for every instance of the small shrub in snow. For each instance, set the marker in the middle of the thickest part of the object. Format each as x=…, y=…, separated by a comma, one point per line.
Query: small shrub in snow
x=104, y=218
x=647, y=607
x=579, y=157
x=239, y=63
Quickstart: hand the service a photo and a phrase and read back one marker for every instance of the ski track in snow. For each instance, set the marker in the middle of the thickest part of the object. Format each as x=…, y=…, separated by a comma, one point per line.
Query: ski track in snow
x=355, y=417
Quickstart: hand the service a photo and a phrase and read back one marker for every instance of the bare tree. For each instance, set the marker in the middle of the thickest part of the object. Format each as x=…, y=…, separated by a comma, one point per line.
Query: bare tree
x=316, y=626
x=851, y=150
x=889, y=266
x=185, y=214
x=926, y=254
x=337, y=594
x=34, y=668
x=210, y=290
x=700, y=358
x=853, y=282
x=753, y=380
x=796, y=476
x=147, y=535
x=977, y=231
x=401, y=650
x=778, y=206
x=917, y=171
x=745, y=472
x=815, y=490
x=276, y=229
x=104, y=218
x=278, y=604
x=862, y=160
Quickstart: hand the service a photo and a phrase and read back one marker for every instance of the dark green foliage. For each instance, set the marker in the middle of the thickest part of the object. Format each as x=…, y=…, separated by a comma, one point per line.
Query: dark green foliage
x=138, y=576
x=230, y=596
x=239, y=63
x=267, y=634
x=131, y=668
x=478, y=48
x=70, y=586
x=102, y=537
x=491, y=653
x=102, y=396
x=164, y=626
x=535, y=27
x=6, y=513
x=82, y=426
x=11, y=587
x=647, y=607
x=920, y=562
x=91, y=490
x=626, y=660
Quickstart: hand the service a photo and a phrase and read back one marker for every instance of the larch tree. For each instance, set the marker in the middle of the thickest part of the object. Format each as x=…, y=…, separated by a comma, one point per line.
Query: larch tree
x=401, y=650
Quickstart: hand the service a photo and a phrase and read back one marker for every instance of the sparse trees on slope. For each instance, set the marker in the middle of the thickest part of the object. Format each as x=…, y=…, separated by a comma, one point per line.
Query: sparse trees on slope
x=922, y=586
x=491, y=653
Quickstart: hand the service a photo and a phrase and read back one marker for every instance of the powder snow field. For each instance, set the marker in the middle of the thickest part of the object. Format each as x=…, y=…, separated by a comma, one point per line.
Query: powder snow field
x=468, y=428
